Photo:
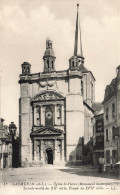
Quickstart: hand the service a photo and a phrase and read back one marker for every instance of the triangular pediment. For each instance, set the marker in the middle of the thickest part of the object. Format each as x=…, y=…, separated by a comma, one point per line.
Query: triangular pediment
x=47, y=95
x=47, y=131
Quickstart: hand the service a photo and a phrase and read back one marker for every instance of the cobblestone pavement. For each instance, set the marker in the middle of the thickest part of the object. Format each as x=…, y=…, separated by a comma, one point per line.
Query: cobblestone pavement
x=49, y=173
x=54, y=177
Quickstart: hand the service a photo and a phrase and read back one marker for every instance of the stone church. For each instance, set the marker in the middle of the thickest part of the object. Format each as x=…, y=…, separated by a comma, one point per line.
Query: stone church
x=55, y=107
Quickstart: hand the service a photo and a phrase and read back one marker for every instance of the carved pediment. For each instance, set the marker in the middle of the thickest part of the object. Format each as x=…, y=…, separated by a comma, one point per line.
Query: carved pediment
x=48, y=95
x=47, y=131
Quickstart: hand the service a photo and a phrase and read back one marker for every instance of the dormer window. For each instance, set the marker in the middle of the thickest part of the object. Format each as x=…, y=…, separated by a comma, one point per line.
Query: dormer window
x=48, y=63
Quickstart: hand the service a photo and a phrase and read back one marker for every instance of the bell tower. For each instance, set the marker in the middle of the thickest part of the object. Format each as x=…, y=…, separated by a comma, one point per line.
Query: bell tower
x=49, y=57
x=77, y=59
x=26, y=68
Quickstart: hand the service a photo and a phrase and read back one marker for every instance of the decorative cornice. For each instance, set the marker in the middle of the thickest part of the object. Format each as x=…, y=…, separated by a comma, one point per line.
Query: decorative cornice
x=58, y=75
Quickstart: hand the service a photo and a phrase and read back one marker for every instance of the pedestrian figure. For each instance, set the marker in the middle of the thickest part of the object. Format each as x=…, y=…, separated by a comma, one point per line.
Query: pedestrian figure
x=100, y=169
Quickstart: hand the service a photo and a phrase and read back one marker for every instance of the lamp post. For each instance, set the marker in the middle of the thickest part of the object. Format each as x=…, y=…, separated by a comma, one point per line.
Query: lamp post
x=12, y=131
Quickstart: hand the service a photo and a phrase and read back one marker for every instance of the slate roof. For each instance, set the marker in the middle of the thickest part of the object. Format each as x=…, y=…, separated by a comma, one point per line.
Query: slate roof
x=97, y=107
x=83, y=69
x=110, y=89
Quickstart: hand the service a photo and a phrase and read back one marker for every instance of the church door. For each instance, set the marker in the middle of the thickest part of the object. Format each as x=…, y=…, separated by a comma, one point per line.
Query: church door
x=49, y=153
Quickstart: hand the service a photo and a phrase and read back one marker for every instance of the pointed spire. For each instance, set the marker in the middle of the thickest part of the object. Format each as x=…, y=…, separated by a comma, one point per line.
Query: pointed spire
x=77, y=60
x=78, y=42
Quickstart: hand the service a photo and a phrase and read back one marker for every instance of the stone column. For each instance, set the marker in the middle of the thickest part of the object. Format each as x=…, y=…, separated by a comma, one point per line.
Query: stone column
x=42, y=153
x=55, y=116
x=35, y=120
x=110, y=158
x=31, y=150
x=62, y=114
x=56, y=156
x=35, y=153
x=38, y=150
x=62, y=150
x=42, y=115
x=2, y=156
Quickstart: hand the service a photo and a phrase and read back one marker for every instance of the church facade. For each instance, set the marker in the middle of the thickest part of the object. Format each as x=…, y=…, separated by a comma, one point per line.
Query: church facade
x=55, y=107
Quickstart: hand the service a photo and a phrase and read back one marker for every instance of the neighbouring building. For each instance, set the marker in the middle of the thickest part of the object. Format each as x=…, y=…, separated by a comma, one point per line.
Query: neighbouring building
x=55, y=108
x=111, y=105
x=15, y=144
x=98, y=134
x=5, y=146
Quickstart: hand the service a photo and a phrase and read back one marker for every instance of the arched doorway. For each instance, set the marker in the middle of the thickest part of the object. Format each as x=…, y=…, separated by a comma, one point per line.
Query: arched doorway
x=49, y=155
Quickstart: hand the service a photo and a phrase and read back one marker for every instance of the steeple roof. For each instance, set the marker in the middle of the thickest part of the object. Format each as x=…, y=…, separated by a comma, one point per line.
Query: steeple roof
x=83, y=69
x=78, y=41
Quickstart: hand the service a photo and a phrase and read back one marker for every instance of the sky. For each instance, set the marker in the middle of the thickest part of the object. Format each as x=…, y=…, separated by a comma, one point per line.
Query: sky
x=24, y=27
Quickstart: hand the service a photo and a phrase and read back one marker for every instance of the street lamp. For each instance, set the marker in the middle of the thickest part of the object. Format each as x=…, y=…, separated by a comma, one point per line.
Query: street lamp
x=12, y=131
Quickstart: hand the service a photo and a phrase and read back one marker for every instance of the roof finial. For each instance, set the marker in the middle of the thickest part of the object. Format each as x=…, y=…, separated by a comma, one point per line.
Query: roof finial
x=78, y=41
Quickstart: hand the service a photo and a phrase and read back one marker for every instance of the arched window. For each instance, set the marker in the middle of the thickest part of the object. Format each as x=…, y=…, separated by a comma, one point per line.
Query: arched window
x=52, y=65
x=48, y=63
x=73, y=64
x=28, y=69
x=24, y=69
x=50, y=45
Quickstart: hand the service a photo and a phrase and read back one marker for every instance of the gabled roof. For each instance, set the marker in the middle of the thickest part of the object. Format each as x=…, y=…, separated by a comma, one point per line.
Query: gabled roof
x=97, y=107
x=85, y=70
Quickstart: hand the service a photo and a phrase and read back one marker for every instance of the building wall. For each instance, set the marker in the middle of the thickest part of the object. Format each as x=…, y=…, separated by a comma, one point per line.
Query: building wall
x=5, y=147
x=110, y=122
x=118, y=114
x=25, y=123
x=88, y=128
x=74, y=111
x=98, y=139
x=89, y=88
